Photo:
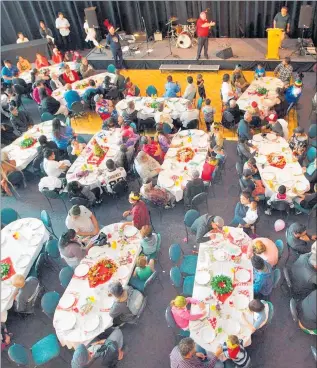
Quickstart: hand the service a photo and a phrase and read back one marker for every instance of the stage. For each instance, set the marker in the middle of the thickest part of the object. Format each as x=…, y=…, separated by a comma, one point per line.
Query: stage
x=246, y=51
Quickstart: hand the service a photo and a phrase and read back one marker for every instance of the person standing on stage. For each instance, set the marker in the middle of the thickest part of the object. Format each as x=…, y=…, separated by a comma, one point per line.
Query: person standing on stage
x=46, y=32
x=114, y=42
x=202, y=30
x=91, y=34
x=63, y=26
x=282, y=20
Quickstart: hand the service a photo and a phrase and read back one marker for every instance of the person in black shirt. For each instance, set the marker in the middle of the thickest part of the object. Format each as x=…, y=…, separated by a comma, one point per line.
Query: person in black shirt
x=113, y=41
x=47, y=33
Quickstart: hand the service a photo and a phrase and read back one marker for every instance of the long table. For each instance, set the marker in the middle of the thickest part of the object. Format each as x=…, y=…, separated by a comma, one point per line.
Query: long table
x=25, y=49
x=175, y=174
x=224, y=255
x=124, y=255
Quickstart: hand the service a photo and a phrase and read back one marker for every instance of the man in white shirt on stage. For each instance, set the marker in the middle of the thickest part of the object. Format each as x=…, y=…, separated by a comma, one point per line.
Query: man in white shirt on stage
x=63, y=26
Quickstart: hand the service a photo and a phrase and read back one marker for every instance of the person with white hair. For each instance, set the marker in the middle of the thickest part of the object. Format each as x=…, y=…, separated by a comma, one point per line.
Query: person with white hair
x=193, y=187
x=55, y=82
x=189, y=115
x=27, y=288
x=202, y=30
x=146, y=166
x=244, y=130
x=161, y=117
x=231, y=115
x=156, y=195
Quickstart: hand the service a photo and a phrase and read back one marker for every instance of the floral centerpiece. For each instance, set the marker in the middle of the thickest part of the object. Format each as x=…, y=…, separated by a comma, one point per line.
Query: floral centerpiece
x=276, y=160
x=222, y=287
x=185, y=154
x=5, y=269
x=261, y=91
x=101, y=272
x=27, y=142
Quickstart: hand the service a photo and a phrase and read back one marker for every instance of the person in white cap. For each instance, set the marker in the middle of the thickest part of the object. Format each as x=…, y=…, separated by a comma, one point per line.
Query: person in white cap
x=273, y=125
x=204, y=224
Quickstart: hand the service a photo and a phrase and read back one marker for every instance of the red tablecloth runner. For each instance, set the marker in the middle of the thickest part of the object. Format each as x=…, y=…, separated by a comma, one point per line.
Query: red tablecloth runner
x=11, y=270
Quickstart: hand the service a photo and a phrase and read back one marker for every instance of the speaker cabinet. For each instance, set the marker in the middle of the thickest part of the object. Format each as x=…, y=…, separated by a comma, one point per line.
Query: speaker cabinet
x=225, y=53
x=305, y=16
x=91, y=16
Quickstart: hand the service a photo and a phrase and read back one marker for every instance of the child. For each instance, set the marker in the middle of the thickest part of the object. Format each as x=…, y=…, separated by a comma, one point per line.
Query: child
x=208, y=112
x=208, y=169
x=201, y=87
x=279, y=196
x=259, y=71
x=233, y=349
x=220, y=154
x=251, y=216
x=182, y=315
x=144, y=269
x=149, y=242
x=77, y=147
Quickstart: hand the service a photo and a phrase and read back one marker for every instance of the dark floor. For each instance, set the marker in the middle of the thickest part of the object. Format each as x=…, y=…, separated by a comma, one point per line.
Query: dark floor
x=149, y=343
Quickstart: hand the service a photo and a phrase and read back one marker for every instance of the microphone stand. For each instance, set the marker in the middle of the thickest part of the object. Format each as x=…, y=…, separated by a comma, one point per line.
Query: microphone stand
x=147, y=38
x=169, y=29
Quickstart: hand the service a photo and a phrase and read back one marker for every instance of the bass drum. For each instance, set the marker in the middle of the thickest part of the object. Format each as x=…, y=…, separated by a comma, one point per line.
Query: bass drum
x=184, y=40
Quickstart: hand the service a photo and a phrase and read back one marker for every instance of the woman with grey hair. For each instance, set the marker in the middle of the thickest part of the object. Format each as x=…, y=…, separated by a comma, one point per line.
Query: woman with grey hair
x=158, y=196
x=193, y=187
x=146, y=166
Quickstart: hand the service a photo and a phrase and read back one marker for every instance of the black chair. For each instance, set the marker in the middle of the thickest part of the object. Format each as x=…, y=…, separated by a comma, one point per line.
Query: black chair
x=120, y=189
x=155, y=207
x=77, y=110
x=16, y=178
x=287, y=279
x=79, y=201
x=199, y=199
x=193, y=124
x=147, y=124
x=281, y=206
x=293, y=309
x=291, y=250
x=90, y=100
x=52, y=194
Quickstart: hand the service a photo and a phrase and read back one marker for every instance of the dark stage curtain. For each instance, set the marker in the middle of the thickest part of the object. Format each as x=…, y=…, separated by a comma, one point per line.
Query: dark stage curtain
x=234, y=19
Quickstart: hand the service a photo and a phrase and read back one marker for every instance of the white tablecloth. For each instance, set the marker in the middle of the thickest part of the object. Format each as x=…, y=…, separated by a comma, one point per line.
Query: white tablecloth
x=144, y=105
x=288, y=176
x=249, y=95
x=95, y=175
x=21, y=251
x=228, y=310
x=198, y=140
x=24, y=157
x=80, y=287
x=82, y=85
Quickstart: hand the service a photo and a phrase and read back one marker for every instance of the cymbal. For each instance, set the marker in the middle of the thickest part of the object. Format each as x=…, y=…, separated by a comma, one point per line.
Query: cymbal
x=191, y=20
x=173, y=19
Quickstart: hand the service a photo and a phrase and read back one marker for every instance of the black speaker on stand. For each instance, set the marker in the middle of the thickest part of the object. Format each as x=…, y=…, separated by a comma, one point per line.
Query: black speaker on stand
x=305, y=20
x=92, y=20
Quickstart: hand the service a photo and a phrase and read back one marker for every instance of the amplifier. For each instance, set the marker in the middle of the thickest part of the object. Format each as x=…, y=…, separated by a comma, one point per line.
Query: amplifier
x=140, y=36
x=158, y=36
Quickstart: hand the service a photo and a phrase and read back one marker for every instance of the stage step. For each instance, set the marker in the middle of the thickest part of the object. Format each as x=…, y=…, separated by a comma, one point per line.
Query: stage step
x=190, y=67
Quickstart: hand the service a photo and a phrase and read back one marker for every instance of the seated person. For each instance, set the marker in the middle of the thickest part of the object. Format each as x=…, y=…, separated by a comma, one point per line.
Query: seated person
x=256, y=114
x=109, y=124
x=22, y=38
x=233, y=349
x=138, y=216
x=307, y=201
x=27, y=290
x=251, y=165
x=310, y=173
x=90, y=91
x=160, y=117
x=130, y=113
x=86, y=70
x=277, y=197
x=56, y=82
x=231, y=115
x=307, y=313
x=204, y=224
x=149, y=242
x=72, y=248
x=193, y=187
x=83, y=221
x=36, y=91
x=127, y=303
x=8, y=134
x=52, y=183
x=189, y=115
x=298, y=142
x=124, y=157
x=259, y=71
x=251, y=216
x=102, y=107
x=76, y=190
x=62, y=135
x=20, y=120
x=50, y=104
x=23, y=64
x=208, y=168
x=7, y=166
x=146, y=166
x=112, y=175
x=238, y=80
x=144, y=268
x=69, y=76
x=263, y=278
x=152, y=148
x=260, y=314
x=53, y=167
x=57, y=56
x=255, y=187
x=304, y=275
x=181, y=313
x=129, y=88
x=71, y=96
x=40, y=61
x=208, y=113
x=156, y=195
x=163, y=139
x=241, y=209
x=298, y=239
x=274, y=126
x=265, y=248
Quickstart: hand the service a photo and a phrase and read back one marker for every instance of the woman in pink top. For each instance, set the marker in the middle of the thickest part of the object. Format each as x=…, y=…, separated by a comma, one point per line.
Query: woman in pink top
x=265, y=248
x=182, y=315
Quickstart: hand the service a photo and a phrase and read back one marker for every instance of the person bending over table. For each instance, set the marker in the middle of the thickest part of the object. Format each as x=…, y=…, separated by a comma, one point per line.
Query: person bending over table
x=151, y=148
x=83, y=221
x=139, y=215
x=69, y=76
x=284, y=71
x=304, y=275
x=23, y=64
x=298, y=239
x=190, y=114
x=260, y=314
x=187, y=354
x=273, y=126
x=156, y=195
x=193, y=187
x=265, y=248
x=91, y=91
x=181, y=313
x=61, y=134
x=161, y=117
x=27, y=290
x=263, y=276
x=146, y=166
x=8, y=72
x=204, y=224
x=244, y=151
x=307, y=311
x=52, y=167
x=149, y=242
x=40, y=61
x=255, y=187
x=20, y=120
x=76, y=190
x=251, y=165
x=50, y=104
x=124, y=157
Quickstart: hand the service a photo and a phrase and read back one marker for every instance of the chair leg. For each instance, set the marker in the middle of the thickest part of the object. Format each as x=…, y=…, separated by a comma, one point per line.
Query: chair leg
x=289, y=253
x=49, y=203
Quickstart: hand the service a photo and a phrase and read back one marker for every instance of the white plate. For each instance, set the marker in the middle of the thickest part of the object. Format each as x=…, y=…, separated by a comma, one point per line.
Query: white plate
x=122, y=272
x=202, y=277
x=130, y=231
x=242, y=275
x=65, y=320
x=16, y=225
x=268, y=176
x=172, y=152
x=35, y=240
x=300, y=186
x=81, y=270
x=220, y=255
x=179, y=107
x=183, y=100
x=123, y=105
x=271, y=137
x=257, y=138
x=168, y=183
x=231, y=326
x=95, y=251
x=202, y=292
x=5, y=291
x=207, y=334
x=67, y=301
x=35, y=224
x=23, y=261
x=261, y=159
x=233, y=250
x=173, y=99
x=91, y=322
x=183, y=133
x=241, y=301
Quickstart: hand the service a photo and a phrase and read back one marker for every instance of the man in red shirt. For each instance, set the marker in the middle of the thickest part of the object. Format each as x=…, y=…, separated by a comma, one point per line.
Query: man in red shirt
x=202, y=30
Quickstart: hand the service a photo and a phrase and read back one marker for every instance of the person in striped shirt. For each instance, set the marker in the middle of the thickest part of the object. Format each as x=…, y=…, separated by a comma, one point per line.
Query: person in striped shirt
x=234, y=350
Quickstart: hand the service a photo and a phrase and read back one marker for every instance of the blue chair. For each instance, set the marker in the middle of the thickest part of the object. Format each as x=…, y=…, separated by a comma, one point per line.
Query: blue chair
x=190, y=217
x=167, y=129
x=51, y=249
x=176, y=277
x=311, y=154
x=65, y=275
x=45, y=217
x=189, y=264
x=271, y=312
x=276, y=277
x=175, y=252
x=52, y=194
x=46, y=116
x=200, y=103
x=19, y=355
x=171, y=324
x=8, y=215
x=49, y=303
x=188, y=285
x=45, y=350
x=80, y=139
x=111, y=68
x=39, y=265
x=80, y=356
x=312, y=134
x=280, y=247
x=143, y=286
x=133, y=126
x=137, y=91
x=151, y=91
x=156, y=255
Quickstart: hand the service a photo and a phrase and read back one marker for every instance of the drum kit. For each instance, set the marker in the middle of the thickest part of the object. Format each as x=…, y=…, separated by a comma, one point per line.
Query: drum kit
x=182, y=35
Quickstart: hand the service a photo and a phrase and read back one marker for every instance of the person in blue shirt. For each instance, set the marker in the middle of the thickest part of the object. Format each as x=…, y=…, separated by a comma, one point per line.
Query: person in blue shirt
x=62, y=135
x=171, y=88
x=244, y=130
x=113, y=41
x=8, y=72
x=263, y=279
x=293, y=93
x=90, y=91
x=259, y=71
x=71, y=96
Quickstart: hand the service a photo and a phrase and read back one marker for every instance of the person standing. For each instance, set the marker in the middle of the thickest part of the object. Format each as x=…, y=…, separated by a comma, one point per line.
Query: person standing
x=282, y=20
x=114, y=42
x=46, y=32
x=202, y=30
x=91, y=34
x=63, y=26
x=284, y=71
